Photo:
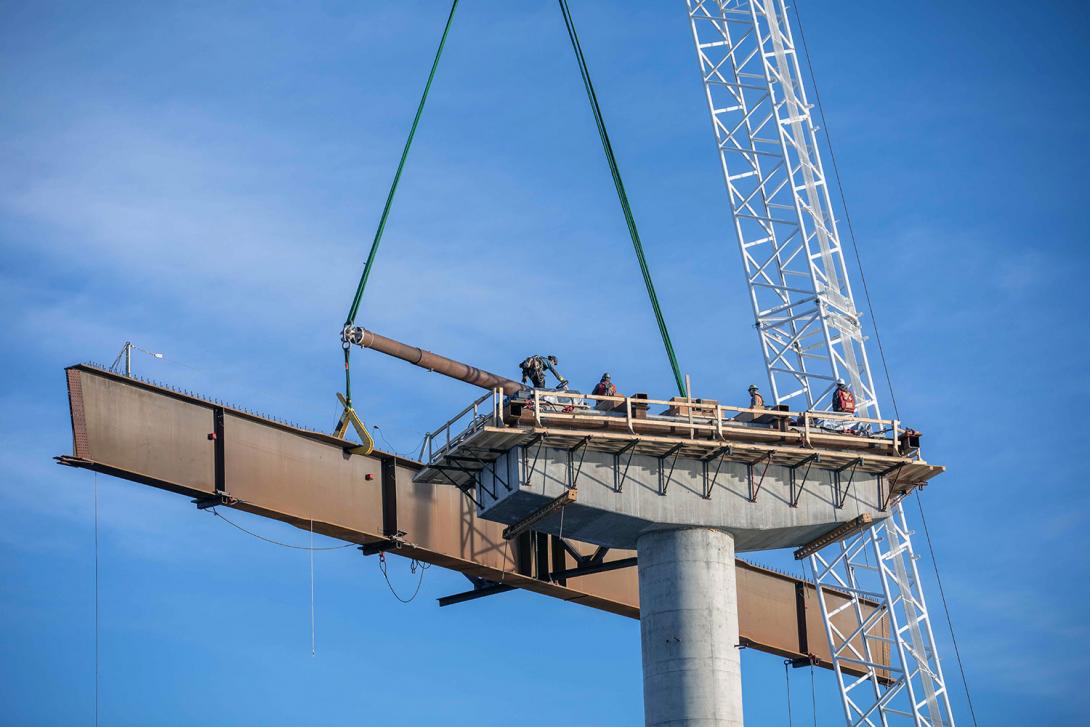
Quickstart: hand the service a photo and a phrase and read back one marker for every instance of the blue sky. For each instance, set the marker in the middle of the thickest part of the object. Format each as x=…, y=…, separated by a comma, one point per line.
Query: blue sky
x=204, y=179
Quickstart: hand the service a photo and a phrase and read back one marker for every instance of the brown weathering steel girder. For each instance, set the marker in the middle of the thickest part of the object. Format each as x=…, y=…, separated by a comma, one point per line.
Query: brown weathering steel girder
x=156, y=436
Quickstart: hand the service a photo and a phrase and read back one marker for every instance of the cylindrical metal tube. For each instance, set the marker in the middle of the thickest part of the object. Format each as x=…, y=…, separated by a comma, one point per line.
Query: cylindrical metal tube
x=431, y=361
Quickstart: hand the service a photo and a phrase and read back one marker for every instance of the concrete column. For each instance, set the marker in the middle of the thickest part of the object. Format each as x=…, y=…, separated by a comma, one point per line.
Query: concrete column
x=689, y=628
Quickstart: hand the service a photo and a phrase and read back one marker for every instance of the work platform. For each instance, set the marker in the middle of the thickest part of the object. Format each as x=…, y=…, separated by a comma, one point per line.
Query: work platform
x=772, y=478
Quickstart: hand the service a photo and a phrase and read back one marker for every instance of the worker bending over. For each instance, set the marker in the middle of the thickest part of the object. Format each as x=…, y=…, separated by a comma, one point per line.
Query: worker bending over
x=534, y=368
x=756, y=401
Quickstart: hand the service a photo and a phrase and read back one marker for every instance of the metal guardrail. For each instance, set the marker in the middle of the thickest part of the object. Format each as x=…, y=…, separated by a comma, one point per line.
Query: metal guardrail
x=472, y=418
x=705, y=417
x=710, y=420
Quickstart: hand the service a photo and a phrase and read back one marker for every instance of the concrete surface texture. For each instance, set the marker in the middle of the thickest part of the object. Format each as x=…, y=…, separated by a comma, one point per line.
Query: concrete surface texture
x=689, y=628
x=613, y=513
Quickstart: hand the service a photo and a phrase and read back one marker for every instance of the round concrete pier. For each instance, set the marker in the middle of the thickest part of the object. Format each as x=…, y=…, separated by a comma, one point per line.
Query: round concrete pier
x=689, y=628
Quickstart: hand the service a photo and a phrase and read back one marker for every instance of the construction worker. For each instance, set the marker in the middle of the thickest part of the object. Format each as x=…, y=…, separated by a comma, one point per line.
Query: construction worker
x=534, y=368
x=756, y=401
x=605, y=387
x=843, y=398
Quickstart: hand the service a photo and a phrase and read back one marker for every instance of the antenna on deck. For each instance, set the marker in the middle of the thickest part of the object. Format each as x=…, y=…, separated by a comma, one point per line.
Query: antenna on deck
x=125, y=355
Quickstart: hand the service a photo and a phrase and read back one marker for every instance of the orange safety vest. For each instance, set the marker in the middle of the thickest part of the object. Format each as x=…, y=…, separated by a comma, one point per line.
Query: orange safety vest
x=604, y=389
x=844, y=401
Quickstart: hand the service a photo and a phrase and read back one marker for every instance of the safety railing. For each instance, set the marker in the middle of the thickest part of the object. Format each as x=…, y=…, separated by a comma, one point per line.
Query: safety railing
x=701, y=420
x=702, y=417
x=488, y=408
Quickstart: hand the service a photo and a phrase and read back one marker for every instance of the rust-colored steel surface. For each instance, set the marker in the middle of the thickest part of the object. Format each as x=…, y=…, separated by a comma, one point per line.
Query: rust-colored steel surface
x=159, y=437
x=433, y=361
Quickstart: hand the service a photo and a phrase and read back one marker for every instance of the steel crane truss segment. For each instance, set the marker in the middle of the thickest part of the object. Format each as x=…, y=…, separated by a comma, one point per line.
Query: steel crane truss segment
x=809, y=329
x=903, y=680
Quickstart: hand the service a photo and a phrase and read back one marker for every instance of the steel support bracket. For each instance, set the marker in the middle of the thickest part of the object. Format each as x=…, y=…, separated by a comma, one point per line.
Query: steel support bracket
x=573, y=471
x=840, y=493
x=721, y=454
x=796, y=489
x=664, y=482
x=628, y=449
x=538, y=440
x=885, y=499
x=592, y=568
x=394, y=542
x=482, y=587
x=203, y=503
x=756, y=488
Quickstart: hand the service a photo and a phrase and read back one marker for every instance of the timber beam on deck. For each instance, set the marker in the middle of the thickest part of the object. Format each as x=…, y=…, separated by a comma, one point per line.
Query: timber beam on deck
x=221, y=455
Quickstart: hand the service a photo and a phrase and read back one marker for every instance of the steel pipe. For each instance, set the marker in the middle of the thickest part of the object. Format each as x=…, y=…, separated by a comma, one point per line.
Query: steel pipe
x=430, y=361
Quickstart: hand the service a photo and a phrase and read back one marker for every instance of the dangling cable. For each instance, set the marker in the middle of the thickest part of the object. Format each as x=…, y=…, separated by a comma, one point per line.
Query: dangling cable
x=97, y=629
x=882, y=353
x=622, y=195
x=354, y=309
x=847, y=215
x=414, y=565
x=813, y=694
x=313, y=644
x=787, y=676
x=946, y=608
x=276, y=542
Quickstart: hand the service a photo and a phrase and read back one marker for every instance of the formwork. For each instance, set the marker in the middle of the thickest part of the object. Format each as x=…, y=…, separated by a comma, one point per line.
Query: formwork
x=772, y=478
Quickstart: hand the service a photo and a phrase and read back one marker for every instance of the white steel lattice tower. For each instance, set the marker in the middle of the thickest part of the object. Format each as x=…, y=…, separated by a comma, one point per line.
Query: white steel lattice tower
x=811, y=335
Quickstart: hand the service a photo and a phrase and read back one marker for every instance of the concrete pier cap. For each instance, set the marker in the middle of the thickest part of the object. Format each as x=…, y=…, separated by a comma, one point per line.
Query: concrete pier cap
x=689, y=628
x=763, y=507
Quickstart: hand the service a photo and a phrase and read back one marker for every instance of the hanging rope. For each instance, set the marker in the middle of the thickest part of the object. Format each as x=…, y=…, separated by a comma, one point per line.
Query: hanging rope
x=813, y=694
x=881, y=352
x=276, y=542
x=414, y=566
x=622, y=195
x=946, y=608
x=98, y=679
x=787, y=676
x=397, y=175
x=354, y=309
x=310, y=553
x=847, y=215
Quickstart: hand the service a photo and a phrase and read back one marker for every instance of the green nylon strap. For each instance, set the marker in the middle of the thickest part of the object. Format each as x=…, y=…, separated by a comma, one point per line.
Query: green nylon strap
x=622, y=195
x=397, y=176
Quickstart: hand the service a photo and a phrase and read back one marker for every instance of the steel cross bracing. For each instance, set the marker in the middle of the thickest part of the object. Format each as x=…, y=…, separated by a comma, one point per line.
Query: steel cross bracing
x=802, y=300
x=895, y=644
x=811, y=335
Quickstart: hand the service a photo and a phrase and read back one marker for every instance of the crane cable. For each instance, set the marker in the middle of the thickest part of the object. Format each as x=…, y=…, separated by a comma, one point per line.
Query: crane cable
x=622, y=196
x=614, y=171
x=882, y=353
x=354, y=309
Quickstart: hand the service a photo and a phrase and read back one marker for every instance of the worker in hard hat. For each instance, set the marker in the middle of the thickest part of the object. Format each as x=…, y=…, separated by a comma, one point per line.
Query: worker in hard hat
x=843, y=398
x=756, y=401
x=534, y=368
x=605, y=387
